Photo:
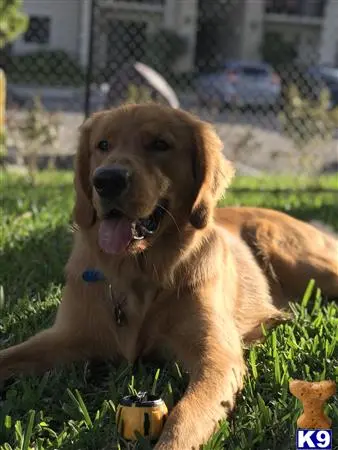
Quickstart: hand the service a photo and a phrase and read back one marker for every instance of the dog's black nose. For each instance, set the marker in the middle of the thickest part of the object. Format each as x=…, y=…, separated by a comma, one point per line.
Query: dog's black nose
x=111, y=181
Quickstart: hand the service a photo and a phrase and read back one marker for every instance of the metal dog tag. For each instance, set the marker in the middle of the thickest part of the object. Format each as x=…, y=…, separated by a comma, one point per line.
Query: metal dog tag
x=119, y=314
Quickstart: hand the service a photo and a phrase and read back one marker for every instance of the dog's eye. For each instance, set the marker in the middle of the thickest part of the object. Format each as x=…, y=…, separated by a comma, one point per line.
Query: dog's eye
x=159, y=145
x=103, y=145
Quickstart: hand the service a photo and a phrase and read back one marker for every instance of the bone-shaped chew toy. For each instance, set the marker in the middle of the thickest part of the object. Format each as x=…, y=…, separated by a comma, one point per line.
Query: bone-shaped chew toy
x=313, y=397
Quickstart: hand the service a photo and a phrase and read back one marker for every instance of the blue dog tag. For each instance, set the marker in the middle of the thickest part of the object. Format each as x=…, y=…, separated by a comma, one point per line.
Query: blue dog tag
x=91, y=276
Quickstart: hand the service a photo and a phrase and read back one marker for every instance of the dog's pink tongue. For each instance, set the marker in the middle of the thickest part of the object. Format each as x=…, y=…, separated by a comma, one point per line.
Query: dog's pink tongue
x=115, y=235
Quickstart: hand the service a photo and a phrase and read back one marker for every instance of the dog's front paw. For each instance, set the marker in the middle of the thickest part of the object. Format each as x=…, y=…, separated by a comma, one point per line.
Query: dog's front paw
x=173, y=446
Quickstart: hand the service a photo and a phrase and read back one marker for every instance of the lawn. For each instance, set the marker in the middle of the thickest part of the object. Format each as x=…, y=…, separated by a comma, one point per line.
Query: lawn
x=64, y=409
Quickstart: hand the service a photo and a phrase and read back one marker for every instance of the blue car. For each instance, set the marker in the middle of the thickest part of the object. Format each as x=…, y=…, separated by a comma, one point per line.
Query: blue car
x=239, y=83
x=329, y=75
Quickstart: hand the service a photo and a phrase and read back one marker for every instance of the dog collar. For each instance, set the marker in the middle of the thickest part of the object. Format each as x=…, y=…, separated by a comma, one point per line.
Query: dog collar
x=93, y=276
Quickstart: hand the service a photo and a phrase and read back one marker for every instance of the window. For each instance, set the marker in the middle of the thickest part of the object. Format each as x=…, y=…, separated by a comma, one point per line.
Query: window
x=38, y=30
x=254, y=71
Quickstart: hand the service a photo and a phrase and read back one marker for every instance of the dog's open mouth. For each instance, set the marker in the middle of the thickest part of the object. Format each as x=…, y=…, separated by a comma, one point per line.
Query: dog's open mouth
x=117, y=231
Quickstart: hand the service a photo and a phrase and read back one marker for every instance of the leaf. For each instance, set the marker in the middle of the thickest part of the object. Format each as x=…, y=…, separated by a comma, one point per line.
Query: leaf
x=29, y=430
x=153, y=389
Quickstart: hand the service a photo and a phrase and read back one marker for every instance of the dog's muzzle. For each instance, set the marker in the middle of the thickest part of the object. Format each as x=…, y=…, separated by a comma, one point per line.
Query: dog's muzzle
x=117, y=231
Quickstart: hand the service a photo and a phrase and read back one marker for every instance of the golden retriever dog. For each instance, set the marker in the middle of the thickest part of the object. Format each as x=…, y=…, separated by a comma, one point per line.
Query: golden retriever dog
x=178, y=278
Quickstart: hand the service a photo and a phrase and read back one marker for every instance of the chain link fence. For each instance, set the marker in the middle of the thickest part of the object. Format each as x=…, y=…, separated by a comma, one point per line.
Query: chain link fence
x=264, y=72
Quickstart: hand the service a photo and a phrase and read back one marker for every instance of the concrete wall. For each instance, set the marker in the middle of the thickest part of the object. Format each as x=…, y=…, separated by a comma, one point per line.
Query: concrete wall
x=252, y=29
x=232, y=31
x=184, y=21
x=329, y=38
x=177, y=15
x=65, y=16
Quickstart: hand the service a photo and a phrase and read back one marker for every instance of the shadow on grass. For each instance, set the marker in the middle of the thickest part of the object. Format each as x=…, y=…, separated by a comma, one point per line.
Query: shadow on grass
x=29, y=266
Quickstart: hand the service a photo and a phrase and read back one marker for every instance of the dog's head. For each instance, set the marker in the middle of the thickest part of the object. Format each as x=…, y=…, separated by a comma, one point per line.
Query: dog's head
x=143, y=168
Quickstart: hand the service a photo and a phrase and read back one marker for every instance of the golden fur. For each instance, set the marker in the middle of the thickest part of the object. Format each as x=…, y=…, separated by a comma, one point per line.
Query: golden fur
x=206, y=280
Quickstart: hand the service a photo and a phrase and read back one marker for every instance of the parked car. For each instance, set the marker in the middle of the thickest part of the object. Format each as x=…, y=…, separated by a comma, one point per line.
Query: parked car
x=239, y=83
x=329, y=75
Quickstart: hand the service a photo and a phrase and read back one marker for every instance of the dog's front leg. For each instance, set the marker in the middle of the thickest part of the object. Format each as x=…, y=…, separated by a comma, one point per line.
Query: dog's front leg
x=216, y=371
x=40, y=353
x=82, y=330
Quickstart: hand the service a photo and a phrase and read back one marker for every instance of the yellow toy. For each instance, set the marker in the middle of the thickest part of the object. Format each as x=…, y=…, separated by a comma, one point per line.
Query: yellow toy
x=142, y=413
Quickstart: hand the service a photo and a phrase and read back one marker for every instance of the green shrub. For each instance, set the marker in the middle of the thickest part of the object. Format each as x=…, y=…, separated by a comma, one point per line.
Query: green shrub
x=142, y=94
x=13, y=21
x=308, y=120
x=138, y=94
x=276, y=51
x=55, y=68
x=37, y=130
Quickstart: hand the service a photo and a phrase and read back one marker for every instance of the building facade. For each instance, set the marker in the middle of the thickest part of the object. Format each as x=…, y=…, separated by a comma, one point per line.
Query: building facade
x=222, y=28
x=65, y=25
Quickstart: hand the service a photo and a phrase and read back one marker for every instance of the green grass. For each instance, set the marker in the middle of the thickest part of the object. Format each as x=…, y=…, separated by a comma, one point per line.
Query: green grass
x=64, y=410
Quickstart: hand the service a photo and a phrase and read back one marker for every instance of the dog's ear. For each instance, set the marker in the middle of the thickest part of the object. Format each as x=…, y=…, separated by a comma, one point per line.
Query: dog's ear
x=212, y=173
x=84, y=213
